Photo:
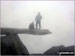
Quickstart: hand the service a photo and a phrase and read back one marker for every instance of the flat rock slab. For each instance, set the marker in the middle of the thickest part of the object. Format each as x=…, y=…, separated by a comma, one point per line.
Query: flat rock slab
x=25, y=31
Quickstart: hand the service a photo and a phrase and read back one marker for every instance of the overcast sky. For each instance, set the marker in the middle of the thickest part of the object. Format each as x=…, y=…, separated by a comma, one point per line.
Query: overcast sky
x=57, y=16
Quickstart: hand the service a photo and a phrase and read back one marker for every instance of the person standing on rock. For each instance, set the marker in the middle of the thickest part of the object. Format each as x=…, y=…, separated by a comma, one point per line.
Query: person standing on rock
x=38, y=20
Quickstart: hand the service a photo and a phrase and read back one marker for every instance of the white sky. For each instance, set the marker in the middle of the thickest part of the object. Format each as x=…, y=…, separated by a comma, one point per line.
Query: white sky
x=57, y=16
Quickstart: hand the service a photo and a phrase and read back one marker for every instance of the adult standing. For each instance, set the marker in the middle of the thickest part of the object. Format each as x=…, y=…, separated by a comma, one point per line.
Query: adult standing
x=38, y=20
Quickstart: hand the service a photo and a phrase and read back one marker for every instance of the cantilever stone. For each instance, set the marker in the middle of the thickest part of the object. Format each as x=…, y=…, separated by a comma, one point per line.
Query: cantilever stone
x=25, y=31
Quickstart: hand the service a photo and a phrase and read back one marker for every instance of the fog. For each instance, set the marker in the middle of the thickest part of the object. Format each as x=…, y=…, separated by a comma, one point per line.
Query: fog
x=57, y=17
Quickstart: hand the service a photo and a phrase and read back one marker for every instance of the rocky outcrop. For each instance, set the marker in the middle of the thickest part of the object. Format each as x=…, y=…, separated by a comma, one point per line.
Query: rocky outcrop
x=57, y=49
x=12, y=45
x=25, y=31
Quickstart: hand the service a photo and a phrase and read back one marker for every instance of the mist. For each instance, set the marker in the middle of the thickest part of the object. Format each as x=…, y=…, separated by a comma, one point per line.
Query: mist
x=57, y=17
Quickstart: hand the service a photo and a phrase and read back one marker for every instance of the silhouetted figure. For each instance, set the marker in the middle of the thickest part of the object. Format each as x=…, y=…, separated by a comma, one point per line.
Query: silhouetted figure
x=31, y=26
x=38, y=20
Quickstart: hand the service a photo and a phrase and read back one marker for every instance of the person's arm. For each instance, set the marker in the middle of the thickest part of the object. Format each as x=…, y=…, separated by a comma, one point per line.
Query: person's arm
x=40, y=17
x=36, y=18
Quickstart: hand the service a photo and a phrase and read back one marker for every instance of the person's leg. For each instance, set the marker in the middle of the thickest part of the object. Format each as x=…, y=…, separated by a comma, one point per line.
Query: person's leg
x=39, y=25
x=36, y=25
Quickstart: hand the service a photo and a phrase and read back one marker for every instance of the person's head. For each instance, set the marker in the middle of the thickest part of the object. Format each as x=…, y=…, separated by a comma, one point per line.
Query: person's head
x=38, y=13
x=32, y=22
